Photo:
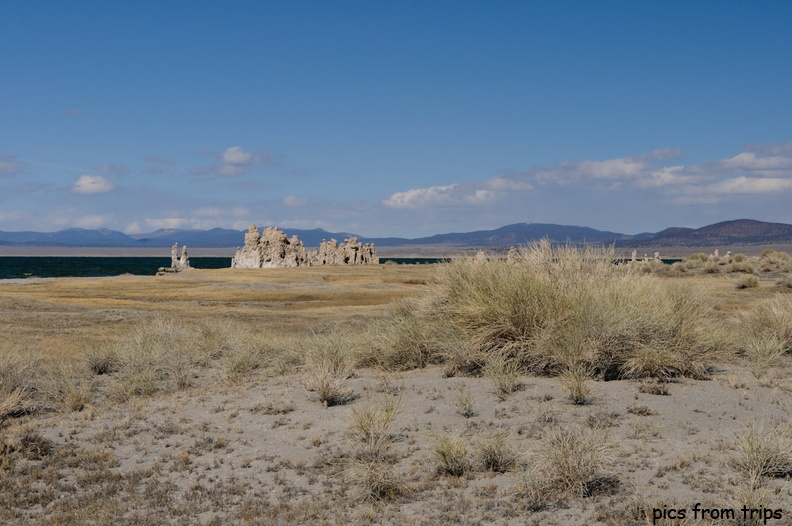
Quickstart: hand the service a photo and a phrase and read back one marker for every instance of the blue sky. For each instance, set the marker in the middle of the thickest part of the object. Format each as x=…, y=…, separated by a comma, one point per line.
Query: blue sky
x=393, y=118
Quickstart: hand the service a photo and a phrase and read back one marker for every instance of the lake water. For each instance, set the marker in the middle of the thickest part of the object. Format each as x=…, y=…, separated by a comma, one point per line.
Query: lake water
x=14, y=267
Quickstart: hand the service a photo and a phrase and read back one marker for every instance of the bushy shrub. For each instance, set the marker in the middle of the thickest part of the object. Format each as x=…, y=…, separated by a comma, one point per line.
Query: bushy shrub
x=561, y=305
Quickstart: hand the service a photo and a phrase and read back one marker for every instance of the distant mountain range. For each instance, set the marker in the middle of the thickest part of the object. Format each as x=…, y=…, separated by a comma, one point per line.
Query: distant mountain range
x=737, y=232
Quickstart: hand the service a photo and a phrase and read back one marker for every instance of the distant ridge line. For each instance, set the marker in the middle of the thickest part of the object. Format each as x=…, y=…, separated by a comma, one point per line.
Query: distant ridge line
x=733, y=232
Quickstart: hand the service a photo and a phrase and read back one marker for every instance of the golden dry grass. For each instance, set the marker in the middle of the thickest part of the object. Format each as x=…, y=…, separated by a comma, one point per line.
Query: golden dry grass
x=230, y=434
x=64, y=314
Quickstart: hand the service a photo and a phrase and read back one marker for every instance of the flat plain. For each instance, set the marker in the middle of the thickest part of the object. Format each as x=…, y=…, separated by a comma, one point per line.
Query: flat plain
x=241, y=396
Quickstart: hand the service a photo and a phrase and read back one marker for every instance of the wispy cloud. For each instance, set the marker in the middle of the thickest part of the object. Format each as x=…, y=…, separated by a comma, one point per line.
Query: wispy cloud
x=10, y=165
x=166, y=222
x=157, y=165
x=112, y=169
x=92, y=184
x=760, y=170
x=232, y=161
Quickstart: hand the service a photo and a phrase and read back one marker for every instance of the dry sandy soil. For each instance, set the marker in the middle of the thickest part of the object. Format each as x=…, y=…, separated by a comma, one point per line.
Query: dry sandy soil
x=260, y=448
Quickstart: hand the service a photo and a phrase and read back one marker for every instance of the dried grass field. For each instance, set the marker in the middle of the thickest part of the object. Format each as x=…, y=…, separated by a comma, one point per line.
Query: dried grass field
x=553, y=390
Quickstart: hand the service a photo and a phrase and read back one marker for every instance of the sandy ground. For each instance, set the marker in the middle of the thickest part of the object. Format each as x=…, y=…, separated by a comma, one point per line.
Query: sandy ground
x=265, y=451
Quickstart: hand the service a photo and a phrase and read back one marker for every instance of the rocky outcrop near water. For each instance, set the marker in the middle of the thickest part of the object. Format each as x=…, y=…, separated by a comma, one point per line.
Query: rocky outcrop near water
x=272, y=248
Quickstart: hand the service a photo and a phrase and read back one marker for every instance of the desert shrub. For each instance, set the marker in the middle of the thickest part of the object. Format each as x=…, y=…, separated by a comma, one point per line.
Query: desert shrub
x=22, y=386
x=697, y=256
x=66, y=386
x=765, y=451
x=377, y=480
x=739, y=258
x=762, y=351
x=155, y=351
x=740, y=266
x=408, y=337
x=328, y=366
x=494, y=453
x=450, y=452
x=505, y=373
x=575, y=461
x=103, y=358
x=213, y=338
x=575, y=378
x=464, y=401
x=747, y=282
x=370, y=428
x=711, y=267
x=768, y=320
x=784, y=283
x=561, y=305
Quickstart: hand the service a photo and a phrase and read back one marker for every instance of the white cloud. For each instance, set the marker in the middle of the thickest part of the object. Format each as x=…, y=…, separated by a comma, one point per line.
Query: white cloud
x=133, y=228
x=419, y=197
x=92, y=184
x=236, y=155
x=236, y=161
x=166, y=222
x=748, y=185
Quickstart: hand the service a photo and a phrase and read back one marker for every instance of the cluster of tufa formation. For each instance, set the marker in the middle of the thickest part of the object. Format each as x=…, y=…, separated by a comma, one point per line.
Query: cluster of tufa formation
x=273, y=249
x=177, y=263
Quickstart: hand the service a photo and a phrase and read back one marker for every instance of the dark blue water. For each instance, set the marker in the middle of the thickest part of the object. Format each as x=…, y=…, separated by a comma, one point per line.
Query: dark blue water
x=90, y=267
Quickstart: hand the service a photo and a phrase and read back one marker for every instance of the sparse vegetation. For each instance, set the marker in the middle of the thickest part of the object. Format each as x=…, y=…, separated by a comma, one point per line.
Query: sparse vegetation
x=450, y=452
x=765, y=451
x=223, y=430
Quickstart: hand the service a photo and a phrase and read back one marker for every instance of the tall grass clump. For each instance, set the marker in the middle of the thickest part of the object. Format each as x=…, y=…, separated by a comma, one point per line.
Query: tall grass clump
x=575, y=461
x=328, y=365
x=769, y=320
x=156, y=355
x=764, y=451
x=404, y=339
x=563, y=305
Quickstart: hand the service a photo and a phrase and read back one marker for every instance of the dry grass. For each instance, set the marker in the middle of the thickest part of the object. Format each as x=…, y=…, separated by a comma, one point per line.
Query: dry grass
x=231, y=437
x=451, y=455
x=764, y=451
x=562, y=305
x=575, y=460
x=370, y=427
x=328, y=366
x=493, y=452
x=576, y=378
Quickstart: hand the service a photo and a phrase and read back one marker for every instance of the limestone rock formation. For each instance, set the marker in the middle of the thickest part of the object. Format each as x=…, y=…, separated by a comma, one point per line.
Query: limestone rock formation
x=273, y=249
x=348, y=253
x=177, y=263
x=270, y=249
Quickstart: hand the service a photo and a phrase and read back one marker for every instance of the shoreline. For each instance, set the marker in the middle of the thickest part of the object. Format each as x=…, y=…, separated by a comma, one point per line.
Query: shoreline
x=424, y=251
